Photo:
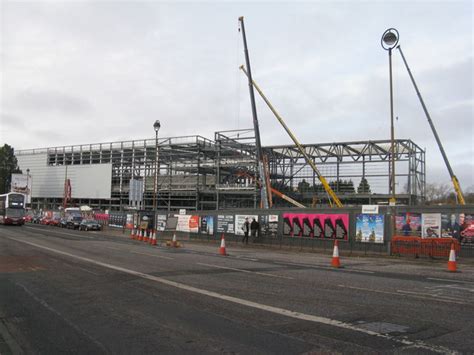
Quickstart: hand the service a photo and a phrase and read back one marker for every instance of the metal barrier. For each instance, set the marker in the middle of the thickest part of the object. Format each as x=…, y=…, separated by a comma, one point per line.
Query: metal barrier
x=423, y=246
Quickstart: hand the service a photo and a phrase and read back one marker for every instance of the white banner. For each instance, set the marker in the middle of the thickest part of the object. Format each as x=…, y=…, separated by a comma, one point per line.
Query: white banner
x=240, y=220
x=187, y=223
x=431, y=225
x=370, y=209
x=21, y=183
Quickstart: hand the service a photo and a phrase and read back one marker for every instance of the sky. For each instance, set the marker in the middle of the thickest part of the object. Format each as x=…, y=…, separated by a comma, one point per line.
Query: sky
x=80, y=72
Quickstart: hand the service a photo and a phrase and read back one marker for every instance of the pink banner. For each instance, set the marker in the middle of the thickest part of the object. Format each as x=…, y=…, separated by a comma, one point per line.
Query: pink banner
x=331, y=226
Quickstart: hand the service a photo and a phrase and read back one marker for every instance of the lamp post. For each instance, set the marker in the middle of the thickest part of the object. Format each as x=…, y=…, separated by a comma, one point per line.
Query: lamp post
x=156, y=127
x=389, y=41
x=28, y=190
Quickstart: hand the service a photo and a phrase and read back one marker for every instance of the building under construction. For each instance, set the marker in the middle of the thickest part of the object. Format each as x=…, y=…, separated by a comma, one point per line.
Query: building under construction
x=196, y=173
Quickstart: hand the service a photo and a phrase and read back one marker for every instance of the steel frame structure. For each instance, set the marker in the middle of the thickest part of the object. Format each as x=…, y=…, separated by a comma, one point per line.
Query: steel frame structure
x=197, y=173
x=351, y=161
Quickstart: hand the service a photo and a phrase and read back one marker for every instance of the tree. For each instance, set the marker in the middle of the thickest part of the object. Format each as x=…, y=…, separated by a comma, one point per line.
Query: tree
x=303, y=186
x=8, y=166
x=437, y=193
x=364, y=187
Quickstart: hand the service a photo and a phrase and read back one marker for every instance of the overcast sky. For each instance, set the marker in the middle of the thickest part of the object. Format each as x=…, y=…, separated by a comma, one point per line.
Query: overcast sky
x=75, y=72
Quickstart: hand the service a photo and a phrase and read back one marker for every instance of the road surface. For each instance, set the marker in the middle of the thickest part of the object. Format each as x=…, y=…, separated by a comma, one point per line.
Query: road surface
x=86, y=292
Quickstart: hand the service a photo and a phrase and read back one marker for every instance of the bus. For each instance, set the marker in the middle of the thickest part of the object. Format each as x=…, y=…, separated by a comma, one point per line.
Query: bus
x=12, y=208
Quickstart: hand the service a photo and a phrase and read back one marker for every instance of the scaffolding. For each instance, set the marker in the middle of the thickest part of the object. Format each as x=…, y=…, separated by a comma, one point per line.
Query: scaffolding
x=196, y=173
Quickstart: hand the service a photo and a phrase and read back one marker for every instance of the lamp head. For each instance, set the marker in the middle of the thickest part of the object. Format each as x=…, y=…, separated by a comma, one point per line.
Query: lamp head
x=156, y=125
x=390, y=39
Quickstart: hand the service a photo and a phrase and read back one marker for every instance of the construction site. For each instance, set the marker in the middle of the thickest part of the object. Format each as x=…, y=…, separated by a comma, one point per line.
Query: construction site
x=197, y=173
x=234, y=170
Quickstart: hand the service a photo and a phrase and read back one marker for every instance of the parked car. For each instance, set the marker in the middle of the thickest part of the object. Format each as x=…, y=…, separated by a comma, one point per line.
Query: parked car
x=74, y=222
x=62, y=223
x=90, y=224
x=45, y=221
x=54, y=222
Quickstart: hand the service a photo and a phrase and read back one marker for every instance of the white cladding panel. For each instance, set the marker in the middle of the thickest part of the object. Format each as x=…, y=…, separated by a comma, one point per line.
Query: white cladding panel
x=87, y=181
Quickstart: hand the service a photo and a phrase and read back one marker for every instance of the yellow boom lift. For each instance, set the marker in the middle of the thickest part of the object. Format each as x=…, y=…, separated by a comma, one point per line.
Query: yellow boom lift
x=454, y=179
x=330, y=192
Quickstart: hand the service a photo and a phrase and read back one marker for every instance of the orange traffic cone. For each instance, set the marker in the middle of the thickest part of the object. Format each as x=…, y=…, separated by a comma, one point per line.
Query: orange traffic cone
x=452, y=259
x=174, y=243
x=335, y=255
x=222, y=248
x=153, y=238
x=132, y=234
x=140, y=235
x=145, y=237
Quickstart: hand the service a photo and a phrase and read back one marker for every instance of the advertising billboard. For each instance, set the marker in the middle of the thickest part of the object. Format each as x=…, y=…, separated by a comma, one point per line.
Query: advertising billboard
x=269, y=225
x=187, y=223
x=370, y=228
x=334, y=226
x=431, y=225
x=408, y=224
x=207, y=225
x=240, y=220
x=225, y=224
x=21, y=183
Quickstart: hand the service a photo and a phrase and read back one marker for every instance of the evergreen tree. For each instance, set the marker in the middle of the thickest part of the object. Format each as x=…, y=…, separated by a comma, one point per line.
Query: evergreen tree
x=303, y=186
x=8, y=166
x=364, y=187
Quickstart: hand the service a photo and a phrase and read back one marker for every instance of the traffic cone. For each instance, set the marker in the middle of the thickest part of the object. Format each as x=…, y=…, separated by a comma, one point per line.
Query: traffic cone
x=222, y=248
x=145, y=237
x=452, y=259
x=335, y=255
x=132, y=234
x=174, y=243
x=140, y=235
x=153, y=238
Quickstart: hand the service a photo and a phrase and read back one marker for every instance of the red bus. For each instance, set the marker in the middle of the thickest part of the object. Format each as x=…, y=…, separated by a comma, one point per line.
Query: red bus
x=12, y=208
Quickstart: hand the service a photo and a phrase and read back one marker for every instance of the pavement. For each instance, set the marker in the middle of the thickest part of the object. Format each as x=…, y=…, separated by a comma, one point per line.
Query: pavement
x=100, y=292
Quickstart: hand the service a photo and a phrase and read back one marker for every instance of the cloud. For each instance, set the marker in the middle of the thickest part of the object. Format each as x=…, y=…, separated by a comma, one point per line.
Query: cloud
x=106, y=70
x=51, y=101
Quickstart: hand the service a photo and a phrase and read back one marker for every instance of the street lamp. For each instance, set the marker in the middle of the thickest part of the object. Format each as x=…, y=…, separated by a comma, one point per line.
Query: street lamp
x=28, y=191
x=156, y=127
x=389, y=41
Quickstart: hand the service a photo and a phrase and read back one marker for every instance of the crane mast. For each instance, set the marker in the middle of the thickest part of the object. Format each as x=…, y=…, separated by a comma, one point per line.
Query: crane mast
x=454, y=179
x=264, y=190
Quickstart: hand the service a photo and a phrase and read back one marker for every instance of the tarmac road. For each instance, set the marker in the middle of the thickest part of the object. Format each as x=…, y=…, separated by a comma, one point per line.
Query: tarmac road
x=85, y=292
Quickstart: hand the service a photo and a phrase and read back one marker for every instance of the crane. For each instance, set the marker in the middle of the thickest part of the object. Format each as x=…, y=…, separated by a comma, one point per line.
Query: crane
x=454, y=179
x=330, y=192
x=264, y=190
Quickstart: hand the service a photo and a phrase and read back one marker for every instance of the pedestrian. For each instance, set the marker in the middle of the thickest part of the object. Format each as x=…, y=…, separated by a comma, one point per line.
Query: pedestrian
x=246, y=229
x=254, y=228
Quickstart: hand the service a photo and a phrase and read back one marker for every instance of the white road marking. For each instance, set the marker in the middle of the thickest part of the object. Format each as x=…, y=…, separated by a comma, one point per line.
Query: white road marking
x=450, y=280
x=70, y=323
x=156, y=256
x=65, y=233
x=321, y=267
x=247, y=303
x=455, y=287
x=247, y=271
x=423, y=296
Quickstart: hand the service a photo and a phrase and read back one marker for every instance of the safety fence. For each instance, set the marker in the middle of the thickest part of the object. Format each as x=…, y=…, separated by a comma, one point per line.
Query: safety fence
x=411, y=231
x=416, y=246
